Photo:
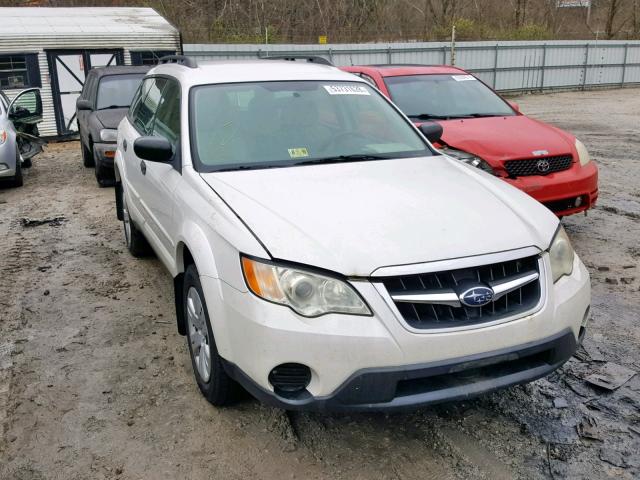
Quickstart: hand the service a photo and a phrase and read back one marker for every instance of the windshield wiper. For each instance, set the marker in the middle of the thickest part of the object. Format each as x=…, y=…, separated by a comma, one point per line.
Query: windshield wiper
x=111, y=107
x=429, y=116
x=478, y=115
x=343, y=159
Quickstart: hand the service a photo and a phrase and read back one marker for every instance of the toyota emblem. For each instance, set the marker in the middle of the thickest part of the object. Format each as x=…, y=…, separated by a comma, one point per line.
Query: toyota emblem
x=543, y=166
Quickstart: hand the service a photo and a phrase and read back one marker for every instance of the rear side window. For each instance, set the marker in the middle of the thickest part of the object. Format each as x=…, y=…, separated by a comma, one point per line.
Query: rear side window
x=167, y=122
x=146, y=108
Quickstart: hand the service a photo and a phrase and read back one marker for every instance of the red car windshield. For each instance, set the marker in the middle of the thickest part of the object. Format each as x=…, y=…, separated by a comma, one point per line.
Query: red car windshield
x=445, y=96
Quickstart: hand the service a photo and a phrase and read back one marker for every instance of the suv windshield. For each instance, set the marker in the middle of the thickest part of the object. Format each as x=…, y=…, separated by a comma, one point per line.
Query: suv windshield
x=117, y=90
x=445, y=96
x=269, y=124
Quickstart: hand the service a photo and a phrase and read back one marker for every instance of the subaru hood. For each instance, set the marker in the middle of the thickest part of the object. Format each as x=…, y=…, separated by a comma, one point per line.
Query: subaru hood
x=354, y=218
x=497, y=139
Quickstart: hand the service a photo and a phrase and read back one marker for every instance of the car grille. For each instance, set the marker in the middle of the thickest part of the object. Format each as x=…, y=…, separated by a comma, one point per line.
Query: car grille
x=431, y=300
x=538, y=165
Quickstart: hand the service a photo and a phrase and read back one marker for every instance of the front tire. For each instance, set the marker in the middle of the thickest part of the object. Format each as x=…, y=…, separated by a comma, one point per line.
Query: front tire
x=17, y=180
x=134, y=238
x=216, y=386
x=104, y=176
x=87, y=154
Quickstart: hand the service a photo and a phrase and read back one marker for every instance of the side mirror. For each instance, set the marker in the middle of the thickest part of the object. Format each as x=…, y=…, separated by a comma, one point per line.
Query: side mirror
x=83, y=104
x=514, y=105
x=154, y=149
x=431, y=130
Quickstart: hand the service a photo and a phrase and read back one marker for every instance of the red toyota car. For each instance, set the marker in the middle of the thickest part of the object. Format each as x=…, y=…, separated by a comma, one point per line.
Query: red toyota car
x=481, y=128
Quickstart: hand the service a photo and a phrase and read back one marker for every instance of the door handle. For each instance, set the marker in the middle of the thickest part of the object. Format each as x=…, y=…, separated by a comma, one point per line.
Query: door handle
x=124, y=144
x=143, y=167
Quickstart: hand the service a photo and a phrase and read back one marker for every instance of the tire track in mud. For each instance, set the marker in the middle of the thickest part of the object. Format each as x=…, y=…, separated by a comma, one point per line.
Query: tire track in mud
x=17, y=251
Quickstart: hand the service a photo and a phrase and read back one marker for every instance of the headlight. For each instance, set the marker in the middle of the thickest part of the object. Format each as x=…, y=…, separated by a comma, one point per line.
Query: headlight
x=583, y=153
x=108, y=135
x=469, y=158
x=561, y=255
x=308, y=294
x=3, y=136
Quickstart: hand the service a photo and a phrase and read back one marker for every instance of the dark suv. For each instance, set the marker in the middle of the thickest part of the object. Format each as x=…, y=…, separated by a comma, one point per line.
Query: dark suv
x=104, y=101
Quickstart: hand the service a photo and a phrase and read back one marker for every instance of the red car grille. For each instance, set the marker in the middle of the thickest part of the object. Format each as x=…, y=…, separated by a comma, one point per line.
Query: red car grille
x=538, y=165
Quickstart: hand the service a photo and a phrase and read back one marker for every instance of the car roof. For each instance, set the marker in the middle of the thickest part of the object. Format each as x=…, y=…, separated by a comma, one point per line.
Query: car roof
x=119, y=70
x=395, y=70
x=239, y=71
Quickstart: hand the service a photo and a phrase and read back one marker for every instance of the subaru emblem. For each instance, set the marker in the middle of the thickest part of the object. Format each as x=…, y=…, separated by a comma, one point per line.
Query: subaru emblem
x=477, y=296
x=543, y=166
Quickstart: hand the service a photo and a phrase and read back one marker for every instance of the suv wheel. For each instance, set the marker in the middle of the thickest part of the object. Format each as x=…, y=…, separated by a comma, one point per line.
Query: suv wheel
x=87, y=154
x=214, y=383
x=134, y=238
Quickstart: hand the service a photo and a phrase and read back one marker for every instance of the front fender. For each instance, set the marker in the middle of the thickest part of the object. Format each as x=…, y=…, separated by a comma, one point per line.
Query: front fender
x=194, y=240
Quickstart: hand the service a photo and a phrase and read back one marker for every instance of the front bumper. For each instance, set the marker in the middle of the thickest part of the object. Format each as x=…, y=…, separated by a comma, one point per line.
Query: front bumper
x=105, y=153
x=559, y=191
x=8, y=171
x=427, y=384
x=8, y=158
x=378, y=363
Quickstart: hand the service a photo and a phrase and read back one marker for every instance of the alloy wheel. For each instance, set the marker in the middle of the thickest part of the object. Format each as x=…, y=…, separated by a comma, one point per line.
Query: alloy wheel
x=198, y=334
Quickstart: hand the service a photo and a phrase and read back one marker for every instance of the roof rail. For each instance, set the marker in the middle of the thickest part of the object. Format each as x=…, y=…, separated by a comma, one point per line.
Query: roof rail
x=292, y=58
x=180, y=60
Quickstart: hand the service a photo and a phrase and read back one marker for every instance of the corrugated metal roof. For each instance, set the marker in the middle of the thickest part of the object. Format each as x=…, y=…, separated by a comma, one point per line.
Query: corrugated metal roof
x=28, y=21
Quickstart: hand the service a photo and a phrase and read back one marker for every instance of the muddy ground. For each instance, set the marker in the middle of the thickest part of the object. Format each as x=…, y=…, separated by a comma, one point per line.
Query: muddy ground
x=96, y=383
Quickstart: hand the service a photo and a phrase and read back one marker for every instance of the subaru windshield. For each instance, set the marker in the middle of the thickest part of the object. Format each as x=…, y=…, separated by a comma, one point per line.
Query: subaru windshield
x=277, y=124
x=442, y=97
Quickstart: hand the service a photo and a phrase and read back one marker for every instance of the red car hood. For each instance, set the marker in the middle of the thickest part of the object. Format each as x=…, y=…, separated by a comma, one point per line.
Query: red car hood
x=496, y=139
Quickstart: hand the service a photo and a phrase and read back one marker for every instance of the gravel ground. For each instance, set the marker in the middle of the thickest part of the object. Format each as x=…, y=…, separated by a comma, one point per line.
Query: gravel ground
x=96, y=383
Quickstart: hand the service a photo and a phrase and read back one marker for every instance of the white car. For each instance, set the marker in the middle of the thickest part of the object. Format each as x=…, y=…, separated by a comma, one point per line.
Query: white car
x=325, y=256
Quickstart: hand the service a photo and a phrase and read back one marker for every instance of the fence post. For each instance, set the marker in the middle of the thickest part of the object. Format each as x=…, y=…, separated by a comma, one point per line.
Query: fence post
x=624, y=64
x=586, y=64
x=444, y=55
x=389, y=54
x=330, y=56
x=453, y=45
x=544, y=64
x=495, y=66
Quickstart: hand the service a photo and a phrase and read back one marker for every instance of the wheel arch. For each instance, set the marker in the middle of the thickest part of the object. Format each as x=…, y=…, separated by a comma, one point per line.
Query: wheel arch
x=197, y=251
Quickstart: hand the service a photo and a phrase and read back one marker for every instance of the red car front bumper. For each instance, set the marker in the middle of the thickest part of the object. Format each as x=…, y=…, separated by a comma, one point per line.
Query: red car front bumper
x=565, y=193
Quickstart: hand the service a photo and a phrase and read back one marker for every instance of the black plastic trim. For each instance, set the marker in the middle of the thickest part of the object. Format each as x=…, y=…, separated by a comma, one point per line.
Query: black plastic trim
x=374, y=389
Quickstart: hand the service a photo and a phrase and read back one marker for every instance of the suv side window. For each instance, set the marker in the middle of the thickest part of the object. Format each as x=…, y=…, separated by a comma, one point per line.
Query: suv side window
x=88, y=85
x=146, y=109
x=167, y=122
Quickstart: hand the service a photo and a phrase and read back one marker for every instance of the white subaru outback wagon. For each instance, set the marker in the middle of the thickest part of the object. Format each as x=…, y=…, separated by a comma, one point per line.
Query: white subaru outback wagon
x=325, y=256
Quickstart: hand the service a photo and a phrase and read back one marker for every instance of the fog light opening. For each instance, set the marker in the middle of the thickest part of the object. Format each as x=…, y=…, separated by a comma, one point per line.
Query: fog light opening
x=289, y=379
x=578, y=201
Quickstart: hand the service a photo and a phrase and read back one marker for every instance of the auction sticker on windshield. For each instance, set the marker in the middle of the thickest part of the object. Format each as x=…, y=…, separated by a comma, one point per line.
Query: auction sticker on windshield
x=463, y=78
x=298, y=152
x=346, y=90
